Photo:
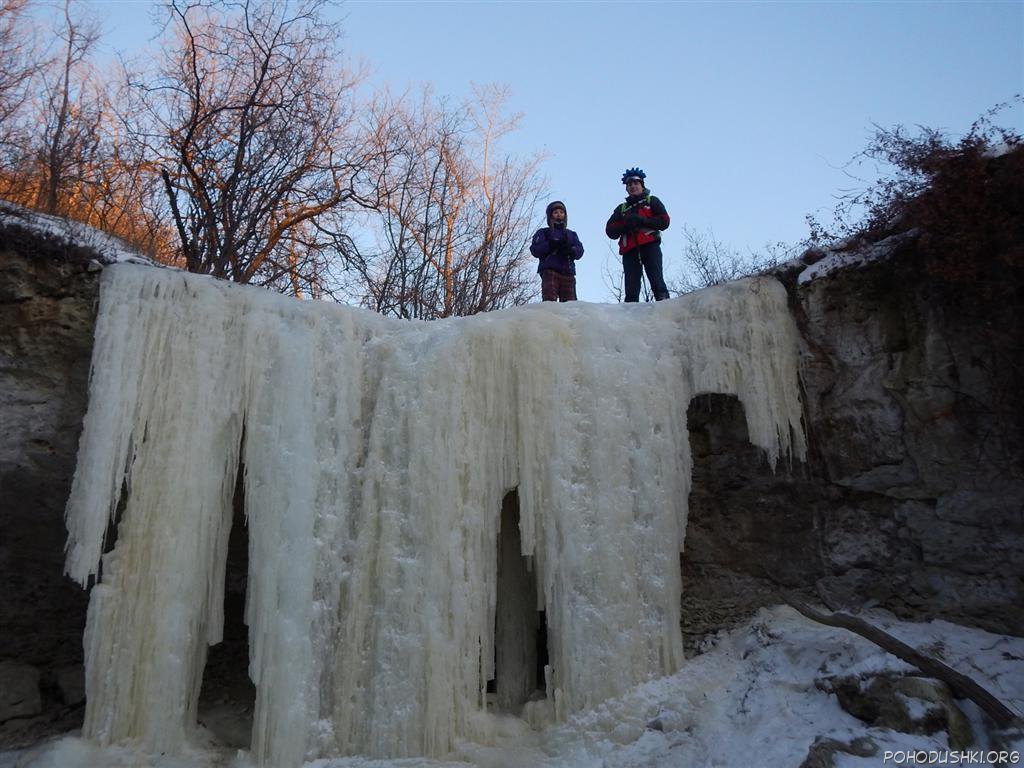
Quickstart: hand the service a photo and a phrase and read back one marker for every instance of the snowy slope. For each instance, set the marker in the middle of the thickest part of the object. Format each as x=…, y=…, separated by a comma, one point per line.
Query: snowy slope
x=751, y=700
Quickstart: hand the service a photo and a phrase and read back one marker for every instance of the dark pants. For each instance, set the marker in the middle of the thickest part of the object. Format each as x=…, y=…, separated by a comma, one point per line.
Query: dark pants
x=645, y=258
x=557, y=286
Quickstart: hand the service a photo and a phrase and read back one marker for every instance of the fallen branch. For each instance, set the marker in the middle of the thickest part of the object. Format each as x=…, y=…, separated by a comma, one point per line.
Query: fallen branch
x=961, y=685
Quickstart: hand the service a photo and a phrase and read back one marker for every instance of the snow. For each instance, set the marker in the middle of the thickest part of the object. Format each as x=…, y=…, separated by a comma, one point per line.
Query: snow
x=110, y=249
x=377, y=455
x=751, y=700
x=1000, y=148
x=843, y=256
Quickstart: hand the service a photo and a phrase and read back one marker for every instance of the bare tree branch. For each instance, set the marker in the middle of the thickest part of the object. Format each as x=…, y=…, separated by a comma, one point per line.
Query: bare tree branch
x=707, y=261
x=255, y=126
x=960, y=684
x=454, y=218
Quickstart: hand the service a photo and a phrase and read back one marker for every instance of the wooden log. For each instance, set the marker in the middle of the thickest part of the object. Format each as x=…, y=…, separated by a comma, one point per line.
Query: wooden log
x=961, y=685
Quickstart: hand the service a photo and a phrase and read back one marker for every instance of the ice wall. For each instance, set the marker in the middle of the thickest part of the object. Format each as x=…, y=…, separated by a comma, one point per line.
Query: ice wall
x=376, y=456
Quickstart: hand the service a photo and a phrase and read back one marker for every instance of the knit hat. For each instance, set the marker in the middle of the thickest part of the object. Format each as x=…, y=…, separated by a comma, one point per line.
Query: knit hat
x=551, y=207
x=633, y=173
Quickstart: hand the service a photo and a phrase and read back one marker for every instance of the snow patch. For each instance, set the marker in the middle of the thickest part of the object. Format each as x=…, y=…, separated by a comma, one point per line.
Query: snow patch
x=1000, y=148
x=110, y=249
x=837, y=258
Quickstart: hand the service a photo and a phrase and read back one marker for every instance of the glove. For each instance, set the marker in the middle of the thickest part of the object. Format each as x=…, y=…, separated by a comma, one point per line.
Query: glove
x=632, y=222
x=645, y=222
x=567, y=250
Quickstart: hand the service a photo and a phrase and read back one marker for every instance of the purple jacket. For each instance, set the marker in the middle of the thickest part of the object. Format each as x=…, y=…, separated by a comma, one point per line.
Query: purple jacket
x=557, y=249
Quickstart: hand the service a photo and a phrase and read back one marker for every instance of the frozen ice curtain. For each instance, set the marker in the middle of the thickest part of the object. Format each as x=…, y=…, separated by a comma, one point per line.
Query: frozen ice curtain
x=376, y=457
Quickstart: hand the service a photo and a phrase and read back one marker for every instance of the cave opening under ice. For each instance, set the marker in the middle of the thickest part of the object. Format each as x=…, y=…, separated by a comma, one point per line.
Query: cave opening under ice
x=383, y=465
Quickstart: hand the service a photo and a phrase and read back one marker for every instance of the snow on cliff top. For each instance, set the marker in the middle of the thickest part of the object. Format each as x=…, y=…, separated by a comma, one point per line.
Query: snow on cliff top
x=836, y=258
x=1001, y=148
x=109, y=249
x=815, y=262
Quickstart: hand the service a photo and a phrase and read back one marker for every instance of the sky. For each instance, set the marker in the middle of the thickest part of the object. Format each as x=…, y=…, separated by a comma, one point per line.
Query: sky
x=744, y=115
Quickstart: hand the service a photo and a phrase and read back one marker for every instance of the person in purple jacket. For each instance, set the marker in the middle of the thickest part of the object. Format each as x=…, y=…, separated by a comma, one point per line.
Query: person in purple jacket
x=557, y=248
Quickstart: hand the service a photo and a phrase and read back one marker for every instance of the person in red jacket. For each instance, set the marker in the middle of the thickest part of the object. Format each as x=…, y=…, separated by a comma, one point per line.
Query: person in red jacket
x=638, y=224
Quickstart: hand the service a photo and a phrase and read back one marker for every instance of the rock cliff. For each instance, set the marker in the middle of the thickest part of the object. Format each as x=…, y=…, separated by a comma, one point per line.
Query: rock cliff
x=913, y=494
x=47, y=310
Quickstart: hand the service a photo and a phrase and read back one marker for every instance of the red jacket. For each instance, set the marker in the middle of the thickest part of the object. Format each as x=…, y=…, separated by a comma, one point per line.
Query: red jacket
x=638, y=221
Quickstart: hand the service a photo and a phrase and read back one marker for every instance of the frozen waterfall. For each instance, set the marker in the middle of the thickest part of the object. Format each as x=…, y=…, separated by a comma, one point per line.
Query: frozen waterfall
x=378, y=457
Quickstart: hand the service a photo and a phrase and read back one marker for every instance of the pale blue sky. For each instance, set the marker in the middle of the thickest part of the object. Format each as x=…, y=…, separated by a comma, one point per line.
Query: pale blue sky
x=742, y=113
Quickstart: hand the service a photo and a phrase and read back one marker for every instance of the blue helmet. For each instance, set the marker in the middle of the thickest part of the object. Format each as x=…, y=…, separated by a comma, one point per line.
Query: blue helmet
x=633, y=173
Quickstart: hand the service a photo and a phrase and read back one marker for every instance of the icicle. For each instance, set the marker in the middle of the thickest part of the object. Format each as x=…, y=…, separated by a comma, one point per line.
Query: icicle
x=377, y=455
x=161, y=601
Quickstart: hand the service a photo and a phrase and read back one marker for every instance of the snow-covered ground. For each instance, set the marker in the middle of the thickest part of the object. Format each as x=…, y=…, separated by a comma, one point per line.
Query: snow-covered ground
x=753, y=699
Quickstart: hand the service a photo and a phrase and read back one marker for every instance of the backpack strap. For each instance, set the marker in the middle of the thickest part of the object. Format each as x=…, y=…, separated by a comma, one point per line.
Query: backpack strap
x=626, y=207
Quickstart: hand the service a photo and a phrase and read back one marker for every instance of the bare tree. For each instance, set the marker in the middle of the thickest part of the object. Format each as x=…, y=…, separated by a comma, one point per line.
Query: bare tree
x=124, y=196
x=18, y=57
x=70, y=157
x=508, y=191
x=20, y=62
x=252, y=127
x=69, y=114
x=455, y=214
x=707, y=261
x=612, y=275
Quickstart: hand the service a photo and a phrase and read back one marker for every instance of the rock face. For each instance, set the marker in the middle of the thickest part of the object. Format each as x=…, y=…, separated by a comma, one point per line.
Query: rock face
x=47, y=311
x=912, y=402
x=912, y=496
x=19, y=691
